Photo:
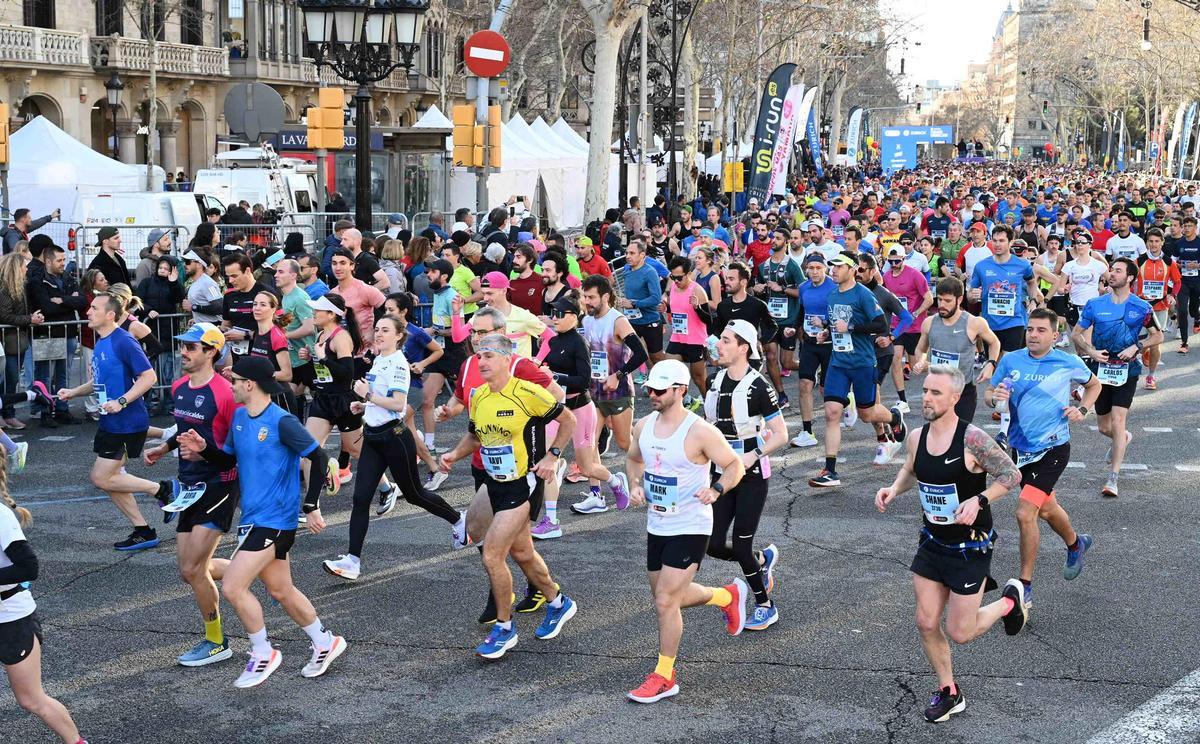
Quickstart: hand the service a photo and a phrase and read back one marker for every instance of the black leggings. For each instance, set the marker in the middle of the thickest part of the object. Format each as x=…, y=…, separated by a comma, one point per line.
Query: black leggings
x=1189, y=302
x=741, y=507
x=398, y=454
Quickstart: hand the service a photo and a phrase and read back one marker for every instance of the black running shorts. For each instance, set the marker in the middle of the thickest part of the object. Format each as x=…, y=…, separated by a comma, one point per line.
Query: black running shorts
x=675, y=551
x=214, y=510
x=16, y=639
x=1116, y=396
x=336, y=410
x=813, y=356
x=110, y=446
x=963, y=572
x=261, y=538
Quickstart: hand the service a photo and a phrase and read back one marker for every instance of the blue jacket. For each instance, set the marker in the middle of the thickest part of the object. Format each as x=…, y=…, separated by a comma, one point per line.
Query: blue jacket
x=643, y=288
x=332, y=243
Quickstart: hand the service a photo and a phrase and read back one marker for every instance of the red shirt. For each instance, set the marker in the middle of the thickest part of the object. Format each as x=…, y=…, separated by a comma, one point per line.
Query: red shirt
x=596, y=266
x=1100, y=237
x=527, y=292
x=469, y=378
x=757, y=252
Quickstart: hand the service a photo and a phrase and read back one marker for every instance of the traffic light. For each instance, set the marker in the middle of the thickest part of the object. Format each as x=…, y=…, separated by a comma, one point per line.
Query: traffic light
x=918, y=107
x=1045, y=107
x=3, y=134
x=326, y=121
x=494, y=132
x=470, y=137
x=464, y=135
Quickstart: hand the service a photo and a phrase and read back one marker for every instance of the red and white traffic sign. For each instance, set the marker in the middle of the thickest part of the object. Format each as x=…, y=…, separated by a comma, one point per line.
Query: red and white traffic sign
x=487, y=54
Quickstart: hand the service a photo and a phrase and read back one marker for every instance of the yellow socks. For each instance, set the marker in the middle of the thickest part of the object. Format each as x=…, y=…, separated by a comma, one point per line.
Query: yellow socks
x=212, y=630
x=721, y=597
x=666, y=666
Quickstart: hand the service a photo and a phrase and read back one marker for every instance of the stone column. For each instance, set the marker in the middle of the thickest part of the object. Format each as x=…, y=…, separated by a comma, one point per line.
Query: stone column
x=127, y=140
x=168, y=155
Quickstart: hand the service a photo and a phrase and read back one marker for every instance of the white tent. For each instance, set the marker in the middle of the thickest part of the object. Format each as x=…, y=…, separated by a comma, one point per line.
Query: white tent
x=712, y=165
x=569, y=135
x=433, y=118
x=574, y=171
x=50, y=170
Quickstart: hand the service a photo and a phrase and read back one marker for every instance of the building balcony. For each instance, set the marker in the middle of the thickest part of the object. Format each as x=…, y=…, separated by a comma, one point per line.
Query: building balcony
x=25, y=45
x=182, y=60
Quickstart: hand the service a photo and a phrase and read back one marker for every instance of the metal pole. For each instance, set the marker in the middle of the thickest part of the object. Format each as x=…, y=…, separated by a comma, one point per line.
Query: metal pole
x=672, y=181
x=624, y=117
x=116, y=139
x=362, y=158
x=645, y=132
x=322, y=199
x=481, y=117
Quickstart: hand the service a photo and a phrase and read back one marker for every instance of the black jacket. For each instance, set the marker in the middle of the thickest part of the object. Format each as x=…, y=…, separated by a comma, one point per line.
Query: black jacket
x=41, y=297
x=114, y=269
x=162, y=296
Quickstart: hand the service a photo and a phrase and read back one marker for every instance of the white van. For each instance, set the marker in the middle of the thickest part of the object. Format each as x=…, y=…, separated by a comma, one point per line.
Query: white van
x=136, y=214
x=280, y=190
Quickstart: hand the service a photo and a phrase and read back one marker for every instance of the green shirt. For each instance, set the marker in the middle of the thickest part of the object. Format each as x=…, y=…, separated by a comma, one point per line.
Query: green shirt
x=296, y=304
x=950, y=249
x=461, y=280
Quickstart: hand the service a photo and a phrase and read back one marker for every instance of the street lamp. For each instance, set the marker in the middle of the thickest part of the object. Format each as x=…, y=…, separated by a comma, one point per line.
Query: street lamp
x=354, y=38
x=113, y=87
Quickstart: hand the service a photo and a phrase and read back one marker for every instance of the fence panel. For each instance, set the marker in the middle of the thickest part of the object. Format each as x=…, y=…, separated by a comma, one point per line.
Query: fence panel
x=134, y=240
x=322, y=222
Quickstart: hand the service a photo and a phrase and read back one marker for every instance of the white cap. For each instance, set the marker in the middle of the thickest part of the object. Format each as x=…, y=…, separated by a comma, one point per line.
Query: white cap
x=977, y=207
x=191, y=256
x=745, y=331
x=459, y=227
x=667, y=373
x=323, y=303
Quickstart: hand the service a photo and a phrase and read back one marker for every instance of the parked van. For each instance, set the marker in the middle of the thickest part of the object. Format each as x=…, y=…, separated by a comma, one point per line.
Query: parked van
x=135, y=214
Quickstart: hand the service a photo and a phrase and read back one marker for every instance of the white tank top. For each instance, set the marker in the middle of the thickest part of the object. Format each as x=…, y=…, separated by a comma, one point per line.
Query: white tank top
x=672, y=481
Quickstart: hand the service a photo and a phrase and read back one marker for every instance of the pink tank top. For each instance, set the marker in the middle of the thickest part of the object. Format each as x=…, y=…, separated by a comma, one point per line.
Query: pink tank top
x=686, y=326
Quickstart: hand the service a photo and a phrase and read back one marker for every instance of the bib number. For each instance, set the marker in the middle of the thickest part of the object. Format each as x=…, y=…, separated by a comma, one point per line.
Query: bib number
x=599, y=365
x=1113, y=374
x=813, y=324
x=662, y=493
x=321, y=373
x=939, y=502
x=778, y=307
x=1028, y=458
x=632, y=313
x=842, y=341
x=241, y=347
x=1154, y=290
x=499, y=462
x=1190, y=268
x=101, y=393
x=188, y=496
x=943, y=358
x=679, y=323
x=1002, y=304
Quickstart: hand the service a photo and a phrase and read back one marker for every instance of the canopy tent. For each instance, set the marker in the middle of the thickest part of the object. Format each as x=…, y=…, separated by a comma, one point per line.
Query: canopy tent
x=712, y=165
x=574, y=171
x=49, y=169
x=433, y=118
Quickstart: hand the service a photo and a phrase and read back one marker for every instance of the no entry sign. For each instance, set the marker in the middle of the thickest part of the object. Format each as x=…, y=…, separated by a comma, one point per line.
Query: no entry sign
x=487, y=54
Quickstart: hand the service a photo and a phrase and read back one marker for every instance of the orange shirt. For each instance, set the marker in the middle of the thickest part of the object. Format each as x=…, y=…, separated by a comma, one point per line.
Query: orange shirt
x=1157, y=280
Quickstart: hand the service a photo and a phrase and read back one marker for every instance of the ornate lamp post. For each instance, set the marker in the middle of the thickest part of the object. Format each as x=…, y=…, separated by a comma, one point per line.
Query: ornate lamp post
x=354, y=38
x=113, y=87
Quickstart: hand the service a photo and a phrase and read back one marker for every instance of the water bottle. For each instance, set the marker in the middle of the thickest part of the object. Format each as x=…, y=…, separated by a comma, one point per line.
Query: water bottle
x=1002, y=405
x=711, y=344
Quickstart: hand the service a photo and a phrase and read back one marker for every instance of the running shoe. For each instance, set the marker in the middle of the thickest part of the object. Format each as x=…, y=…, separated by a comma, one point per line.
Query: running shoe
x=639, y=379
x=942, y=705
x=333, y=483
x=14, y=423
x=42, y=393
x=498, y=642
x=170, y=431
x=435, y=479
x=804, y=439
x=881, y=454
x=655, y=688
x=258, y=669
x=783, y=399
x=1128, y=439
x=323, y=657
x=345, y=475
x=1016, y=618
x=575, y=475
x=1183, y=349
x=593, y=504
x=387, y=501
x=1151, y=382
x=735, y=611
x=489, y=610
x=1002, y=440
x=604, y=441
x=1110, y=487
x=1027, y=596
x=560, y=471
x=1074, y=564
x=546, y=530
x=139, y=540
x=461, y=538
x=168, y=491
x=849, y=416
x=694, y=405
x=899, y=428
x=620, y=492
x=770, y=557
x=556, y=617
x=346, y=567
x=16, y=458
x=825, y=479
x=902, y=406
x=1077, y=393
x=533, y=600
x=1063, y=341
x=893, y=449
x=785, y=372
x=763, y=617
x=206, y=652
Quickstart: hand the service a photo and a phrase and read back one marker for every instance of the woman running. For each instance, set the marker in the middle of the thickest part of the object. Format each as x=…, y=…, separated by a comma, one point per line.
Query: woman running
x=20, y=627
x=270, y=342
x=421, y=350
x=333, y=377
x=387, y=445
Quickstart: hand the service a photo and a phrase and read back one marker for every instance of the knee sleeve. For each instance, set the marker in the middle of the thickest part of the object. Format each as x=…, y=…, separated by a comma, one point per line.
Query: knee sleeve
x=1035, y=496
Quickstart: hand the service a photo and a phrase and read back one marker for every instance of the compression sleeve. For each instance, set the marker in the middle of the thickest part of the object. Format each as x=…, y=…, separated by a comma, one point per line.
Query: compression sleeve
x=319, y=464
x=637, y=354
x=24, y=563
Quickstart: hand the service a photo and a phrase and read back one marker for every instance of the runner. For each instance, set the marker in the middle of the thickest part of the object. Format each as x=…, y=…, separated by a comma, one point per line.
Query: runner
x=505, y=413
x=1187, y=252
x=954, y=556
x=274, y=441
x=912, y=288
x=950, y=340
x=203, y=404
x=120, y=368
x=642, y=296
x=1034, y=384
x=332, y=358
x=779, y=280
x=1108, y=332
x=238, y=305
x=269, y=341
x=741, y=404
x=669, y=461
x=1082, y=274
x=20, y=625
x=1126, y=243
x=422, y=351
x=445, y=369
x=895, y=312
x=1158, y=282
x=387, y=445
x=815, y=347
x=687, y=305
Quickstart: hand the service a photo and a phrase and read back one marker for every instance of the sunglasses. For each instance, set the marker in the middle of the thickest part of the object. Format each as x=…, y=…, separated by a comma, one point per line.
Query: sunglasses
x=655, y=393
x=678, y=277
x=906, y=242
x=559, y=314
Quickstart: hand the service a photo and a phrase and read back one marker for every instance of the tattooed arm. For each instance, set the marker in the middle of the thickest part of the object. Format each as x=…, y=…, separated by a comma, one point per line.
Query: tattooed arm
x=983, y=454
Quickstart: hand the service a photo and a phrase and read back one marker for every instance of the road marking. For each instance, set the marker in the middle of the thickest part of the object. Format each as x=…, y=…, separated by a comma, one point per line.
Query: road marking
x=1076, y=465
x=1134, y=466
x=1172, y=715
x=1158, y=429
x=63, y=501
x=1188, y=468
x=56, y=438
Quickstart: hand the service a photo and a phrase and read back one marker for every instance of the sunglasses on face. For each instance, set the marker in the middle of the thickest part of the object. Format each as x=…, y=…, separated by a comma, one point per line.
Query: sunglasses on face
x=906, y=242
x=656, y=393
x=678, y=277
x=559, y=314
x=895, y=261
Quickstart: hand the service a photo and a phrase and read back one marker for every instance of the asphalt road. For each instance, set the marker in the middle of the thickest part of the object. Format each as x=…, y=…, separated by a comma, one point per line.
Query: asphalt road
x=844, y=664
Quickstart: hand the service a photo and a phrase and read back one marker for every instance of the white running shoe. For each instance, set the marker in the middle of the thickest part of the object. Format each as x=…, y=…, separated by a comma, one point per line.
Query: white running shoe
x=387, y=501
x=849, y=416
x=258, y=669
x=16, y=458
x=893, y=449
x=346, y=566
x=435, y=479
x=902, y=406
x=170, y=431
x=322, y=658
x=593, y=504
x=461, y=538
x=804, y=439
x=881, y=454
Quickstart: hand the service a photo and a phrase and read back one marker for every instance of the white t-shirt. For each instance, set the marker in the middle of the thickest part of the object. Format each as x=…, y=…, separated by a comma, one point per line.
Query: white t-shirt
x=829, y=250
x=973, y=255
x=1085, y=280
x=917, y=260
x=389, y=374
x=1131, y=247
x=204, y=291
x=21, y=604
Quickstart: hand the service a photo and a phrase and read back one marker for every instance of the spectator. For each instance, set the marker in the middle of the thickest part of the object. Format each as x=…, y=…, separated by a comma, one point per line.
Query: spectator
x=169, y=185
x=495, y=259
x=590, y=262
x=204, y=297
x=437, y=223
x=395, y=223
x=59, y=301
x=212, y=215
x=293, y=245
x=366, y=265
x=236, y=214
x=36, y=268
x=21, y=226
x=236, y=243
x=111, y=258
x=181, y=182
x=333, y=242
x=633, y=219
x=464, y=221
x=391, y=262
x=158, y=245
x=205, y=241
x=472, y=258
x=161, y=294
x=16, y=312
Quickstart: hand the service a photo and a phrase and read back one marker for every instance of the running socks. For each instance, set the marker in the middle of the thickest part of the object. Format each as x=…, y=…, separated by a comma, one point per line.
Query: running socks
x=666, y=666
x=902, y=395
x=721, y=597
x=557, y=602
x=807, y=426
x=213, y=632
x=321, y=638
x=831, y=463
x=259, y=645
x=552, y=512
x=596, y=490
x=9, y=445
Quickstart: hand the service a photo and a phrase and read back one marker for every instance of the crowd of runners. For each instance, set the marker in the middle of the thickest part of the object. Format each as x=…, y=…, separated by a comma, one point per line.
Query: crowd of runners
x=678, y=336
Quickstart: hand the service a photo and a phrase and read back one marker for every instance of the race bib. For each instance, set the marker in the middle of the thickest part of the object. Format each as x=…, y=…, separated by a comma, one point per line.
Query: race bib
x=1028, y=458
x=939, y=502
x=842, y=341
x=739, y=446
x=778, y=307
x=943, y=358
x=679, y=323
x=1003, y=304
x=243, y=346
x=813, y=324
x=101, y=393
x=662, y=492
x=1154, y=290
x=1190, y=268
x=500, y=462
x=632, y=313
x=188, y=496
x=599, y=365
x=1113, y=374
x=321, y=373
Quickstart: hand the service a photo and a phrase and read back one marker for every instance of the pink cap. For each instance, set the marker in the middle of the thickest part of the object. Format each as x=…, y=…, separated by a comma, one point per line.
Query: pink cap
x=495, y=280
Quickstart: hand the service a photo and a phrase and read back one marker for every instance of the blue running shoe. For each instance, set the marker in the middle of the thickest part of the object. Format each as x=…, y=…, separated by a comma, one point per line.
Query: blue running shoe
x=763, y=618
x=556, y=617
x=139, y=540
x=498, y=642
x=1074, y=565
x=770, y=556
x=1027, y=597
x=206, y=652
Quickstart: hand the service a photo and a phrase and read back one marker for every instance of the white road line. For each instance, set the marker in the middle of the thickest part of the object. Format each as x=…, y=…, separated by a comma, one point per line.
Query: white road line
x=56, y=439
x=1171, y=716
x=1158, y=429
x=1134, y=466
x=1188, y=468
x=1076, y=465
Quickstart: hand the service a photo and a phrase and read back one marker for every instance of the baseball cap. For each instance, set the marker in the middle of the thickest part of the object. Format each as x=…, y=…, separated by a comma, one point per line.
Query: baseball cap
x=976, y=207
x=495, y=280
x=105, y=233
x=564, y=304
x=842, y=259
x=191, y=256
x=155, y=236
x=1027, y=211
x=323, y=303
x=746, y=332
x=666, y=374
x=895, y=252
x=815, y=256
x=585, y=240
x=204, y=333
x=395, y=218
x=979, y=226
x=458, y=227
x=260, y=371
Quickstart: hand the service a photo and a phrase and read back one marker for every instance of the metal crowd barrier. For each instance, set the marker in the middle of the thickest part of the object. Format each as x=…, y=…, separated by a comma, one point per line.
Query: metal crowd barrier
x=133, y=242
x=322, y=222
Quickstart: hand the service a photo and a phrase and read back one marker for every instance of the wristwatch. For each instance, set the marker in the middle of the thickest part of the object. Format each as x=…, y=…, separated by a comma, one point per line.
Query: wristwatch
x=983, y=500
x=122, y=401
x=555, y=451
x=718, y=487
x=758, y=452
x=1083, y=410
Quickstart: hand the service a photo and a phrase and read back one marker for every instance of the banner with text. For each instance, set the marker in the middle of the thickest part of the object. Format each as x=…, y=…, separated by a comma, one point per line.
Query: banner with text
x=1185, y=139
x=766, y=131
x=898, y=145
x=853, y=137
x=781, y=158
x=814, y=142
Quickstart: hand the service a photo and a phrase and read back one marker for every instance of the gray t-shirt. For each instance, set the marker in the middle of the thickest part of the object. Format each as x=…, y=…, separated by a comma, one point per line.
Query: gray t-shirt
x=204, y=291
